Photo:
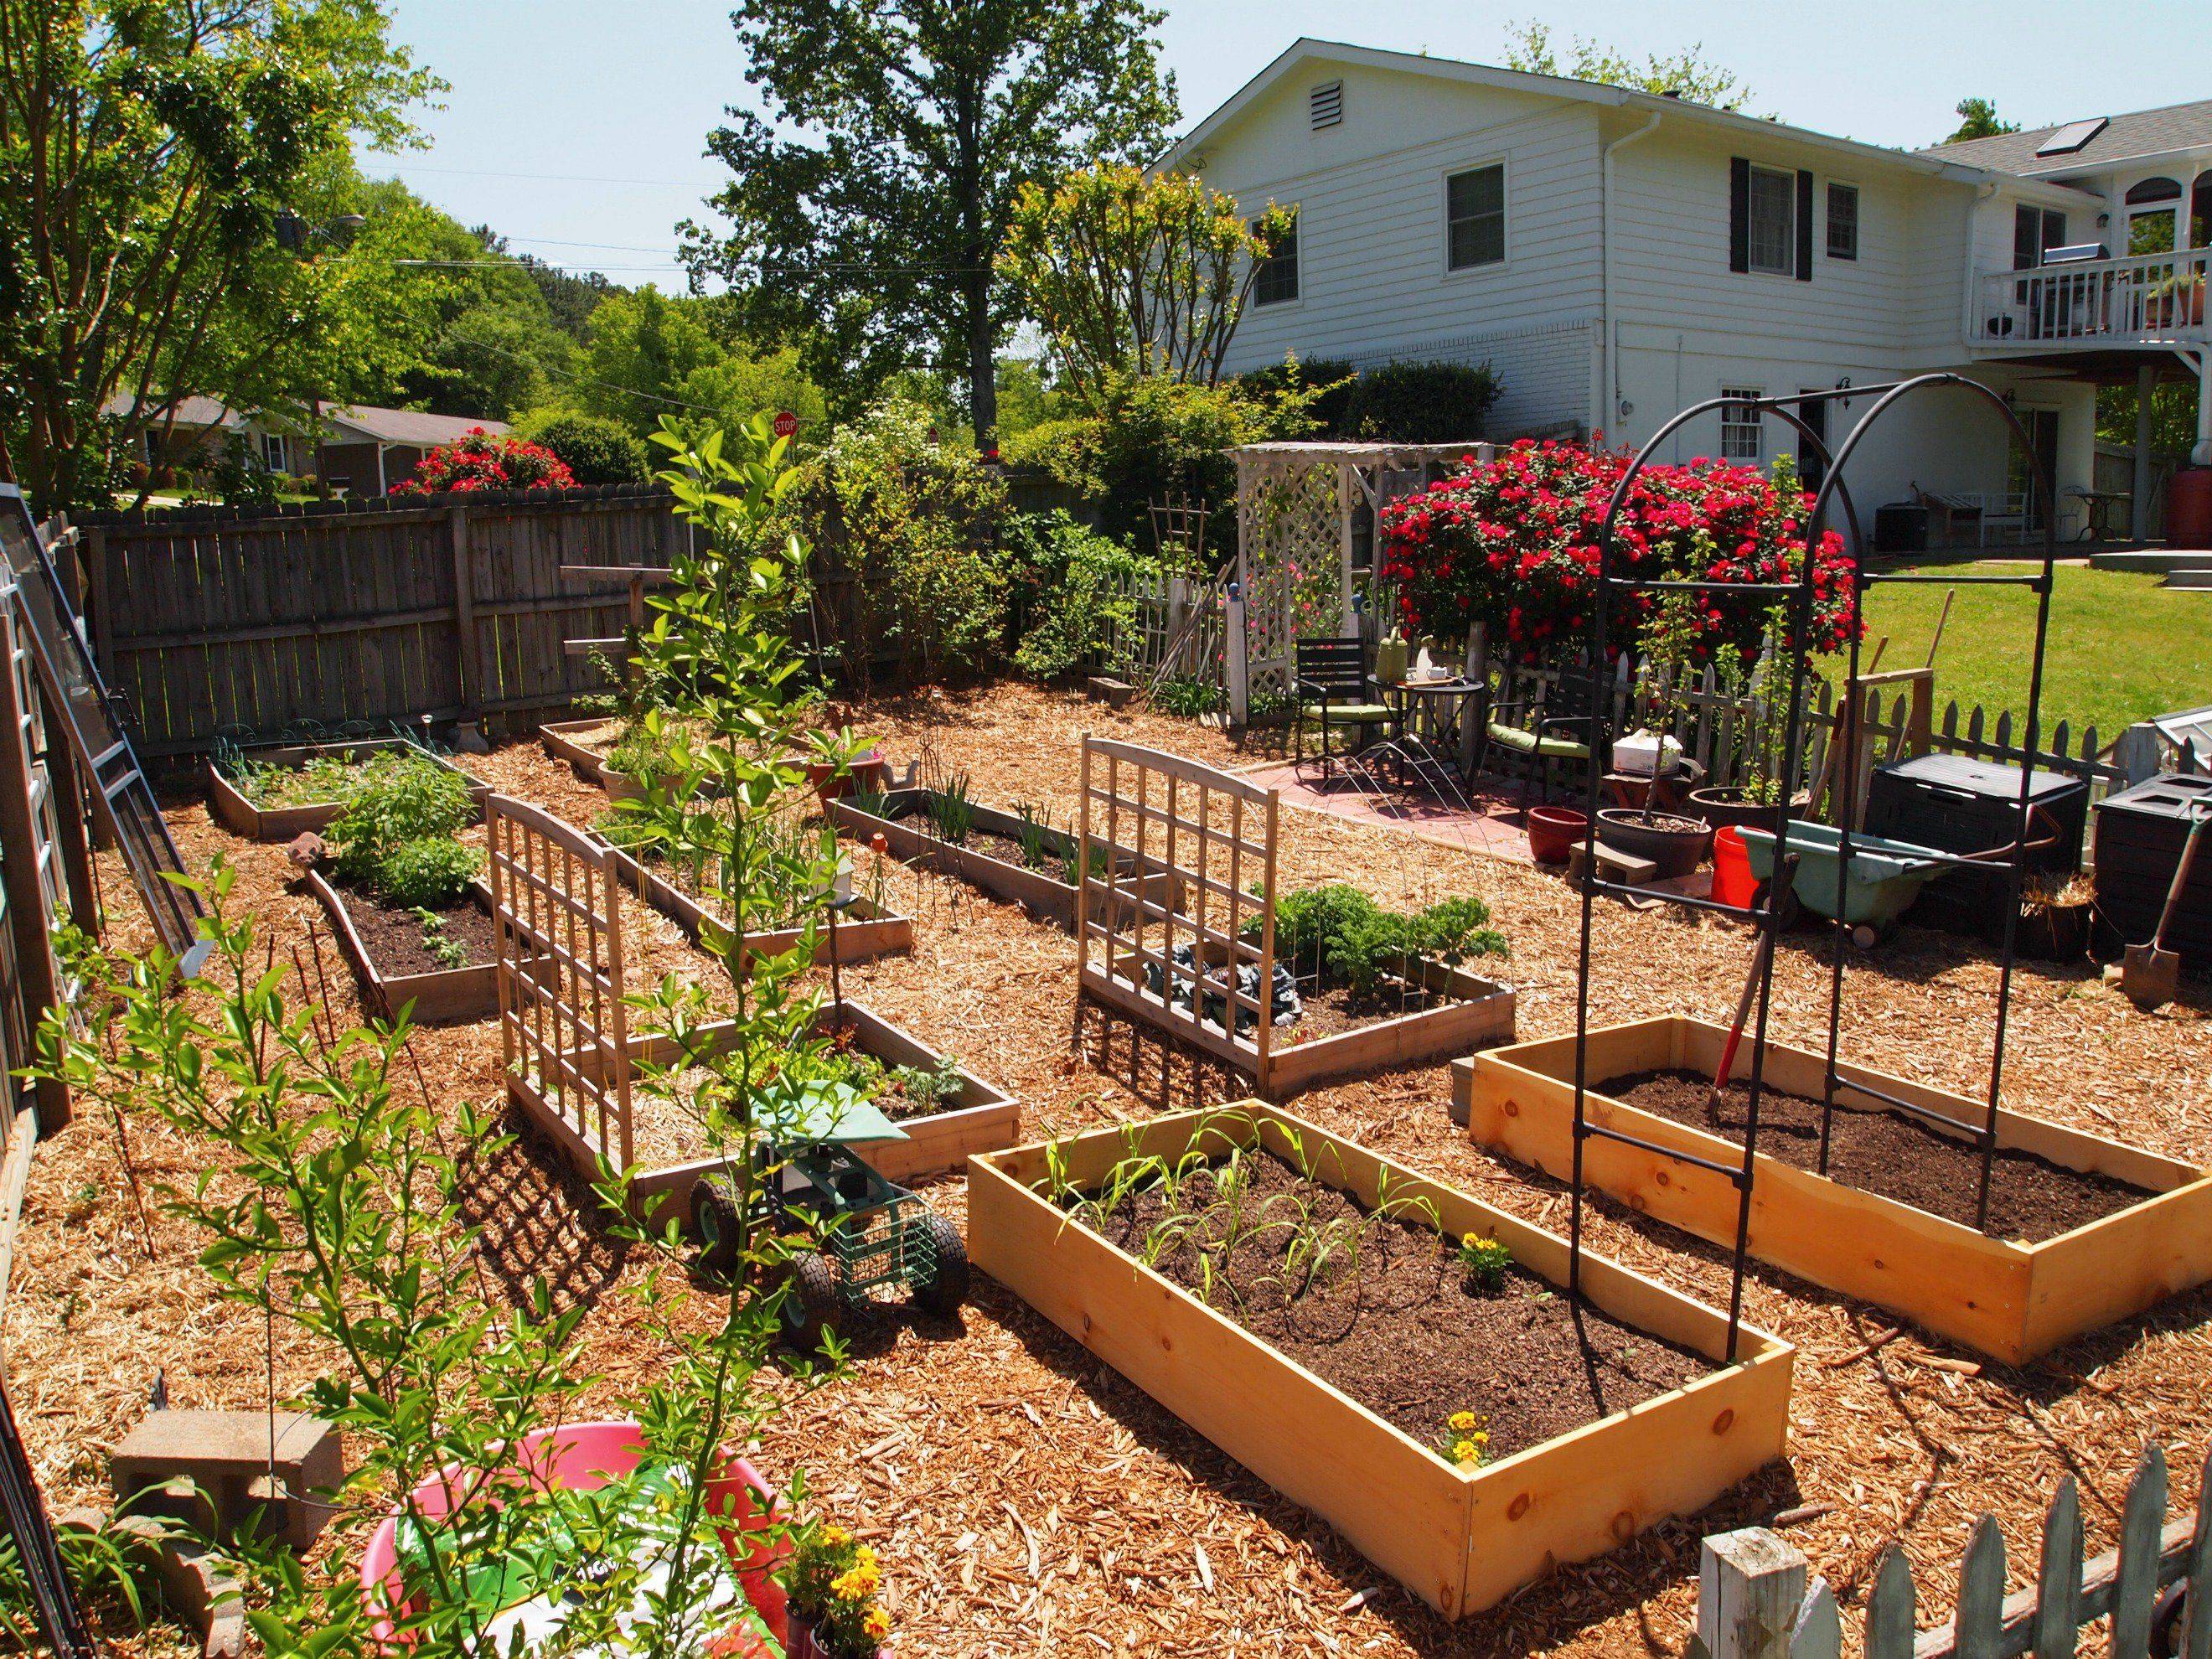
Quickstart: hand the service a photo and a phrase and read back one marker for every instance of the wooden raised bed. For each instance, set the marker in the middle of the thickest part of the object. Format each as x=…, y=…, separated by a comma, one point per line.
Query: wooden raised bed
x=562, y=741
x=447, y=996
x=910, y=838
x=242, y=817
x=863, y=932
x=2010, y=1300
x=1459, y=1539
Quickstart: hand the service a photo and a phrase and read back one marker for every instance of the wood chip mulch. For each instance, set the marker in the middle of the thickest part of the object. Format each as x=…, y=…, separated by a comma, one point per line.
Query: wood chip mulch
x=1025, y=1498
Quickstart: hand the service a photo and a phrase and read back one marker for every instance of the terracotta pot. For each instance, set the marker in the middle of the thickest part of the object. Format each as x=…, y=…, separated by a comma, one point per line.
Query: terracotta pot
x=867, y=772
x=1553, y=830
x=1677, y=845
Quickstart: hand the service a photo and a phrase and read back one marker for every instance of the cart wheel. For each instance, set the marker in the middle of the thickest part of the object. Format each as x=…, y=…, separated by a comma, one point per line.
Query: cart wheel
x=716, y=1222
x=2166, y=1617
x=946, y=1287
x=811, y=1312
x=1790, y=905
x=1866, y=935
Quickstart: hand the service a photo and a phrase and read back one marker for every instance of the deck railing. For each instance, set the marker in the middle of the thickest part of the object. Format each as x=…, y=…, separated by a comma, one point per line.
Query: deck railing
x=2146, y=299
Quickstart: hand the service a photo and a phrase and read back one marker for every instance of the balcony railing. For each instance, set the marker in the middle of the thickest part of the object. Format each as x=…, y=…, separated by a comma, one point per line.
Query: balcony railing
x=2149, y=299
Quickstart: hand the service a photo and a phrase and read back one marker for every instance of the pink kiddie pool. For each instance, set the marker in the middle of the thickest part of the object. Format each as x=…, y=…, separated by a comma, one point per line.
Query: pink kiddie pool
x=584, y=1457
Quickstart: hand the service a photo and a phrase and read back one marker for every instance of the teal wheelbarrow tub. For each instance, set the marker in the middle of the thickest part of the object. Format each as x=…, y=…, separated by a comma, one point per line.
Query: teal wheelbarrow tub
x=1886, y=876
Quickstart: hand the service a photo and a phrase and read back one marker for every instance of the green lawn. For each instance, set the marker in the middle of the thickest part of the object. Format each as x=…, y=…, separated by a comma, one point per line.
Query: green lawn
x=2121, y=648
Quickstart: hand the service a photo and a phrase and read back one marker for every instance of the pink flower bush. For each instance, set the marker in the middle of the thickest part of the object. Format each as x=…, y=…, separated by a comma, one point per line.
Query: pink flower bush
x=479, y=460
x=1514, y=542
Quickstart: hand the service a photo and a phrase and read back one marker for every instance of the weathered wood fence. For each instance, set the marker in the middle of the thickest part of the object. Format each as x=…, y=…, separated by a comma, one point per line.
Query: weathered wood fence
x=1754, y=1601
x=449, y=607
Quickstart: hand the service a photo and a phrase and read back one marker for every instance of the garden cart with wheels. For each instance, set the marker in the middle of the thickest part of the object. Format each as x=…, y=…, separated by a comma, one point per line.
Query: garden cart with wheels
x=1885, y=876
x=848, y=1231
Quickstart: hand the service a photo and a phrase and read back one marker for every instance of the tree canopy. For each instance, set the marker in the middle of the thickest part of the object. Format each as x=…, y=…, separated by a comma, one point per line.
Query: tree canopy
x=149, y=149
x=1528, y=47
x=1978, y=119
x=871, y=192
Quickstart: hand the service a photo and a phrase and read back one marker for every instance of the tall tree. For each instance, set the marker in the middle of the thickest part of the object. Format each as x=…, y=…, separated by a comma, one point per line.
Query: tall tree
x=869, y=200
x=1689, y=71
x=147, y=150
x=1978, y=119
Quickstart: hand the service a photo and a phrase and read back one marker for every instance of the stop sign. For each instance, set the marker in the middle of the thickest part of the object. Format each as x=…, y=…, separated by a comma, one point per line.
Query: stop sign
x=787, y=423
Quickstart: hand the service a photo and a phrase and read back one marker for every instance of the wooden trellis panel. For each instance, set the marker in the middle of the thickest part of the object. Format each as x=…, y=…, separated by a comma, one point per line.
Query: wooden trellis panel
x=1146, y=810
x=563, y=1029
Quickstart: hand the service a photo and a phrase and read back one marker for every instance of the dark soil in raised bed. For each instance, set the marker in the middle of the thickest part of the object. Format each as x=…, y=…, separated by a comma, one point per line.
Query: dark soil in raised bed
x=1331, y=1009
x=393, y=935
x=1396, y=1328
x=1005, y=849
x=1879, y=1149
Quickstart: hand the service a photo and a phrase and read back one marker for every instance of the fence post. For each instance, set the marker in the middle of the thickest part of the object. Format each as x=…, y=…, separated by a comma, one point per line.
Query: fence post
x=464, y=616
x=1233, y=662
x=1750, y=1586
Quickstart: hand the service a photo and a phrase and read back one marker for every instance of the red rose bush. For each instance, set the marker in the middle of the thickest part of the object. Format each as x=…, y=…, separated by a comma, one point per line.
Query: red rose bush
x=482, y=460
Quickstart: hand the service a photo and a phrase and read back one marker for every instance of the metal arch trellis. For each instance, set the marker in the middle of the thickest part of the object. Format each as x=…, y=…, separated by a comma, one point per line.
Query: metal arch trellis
x=1768, y=915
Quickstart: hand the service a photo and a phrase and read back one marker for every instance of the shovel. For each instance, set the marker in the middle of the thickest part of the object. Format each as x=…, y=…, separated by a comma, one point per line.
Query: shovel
x=2150, y=974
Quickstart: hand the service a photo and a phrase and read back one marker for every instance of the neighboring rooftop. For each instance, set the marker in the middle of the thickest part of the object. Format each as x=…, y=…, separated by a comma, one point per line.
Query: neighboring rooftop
x=2057, y=150
x=406, y=426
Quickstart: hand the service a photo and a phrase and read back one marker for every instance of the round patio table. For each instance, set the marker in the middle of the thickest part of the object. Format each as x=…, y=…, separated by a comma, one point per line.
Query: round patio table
x=1425, y=708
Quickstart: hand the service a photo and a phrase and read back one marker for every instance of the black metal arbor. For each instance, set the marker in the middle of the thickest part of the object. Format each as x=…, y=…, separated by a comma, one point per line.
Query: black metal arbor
x=1769, y=916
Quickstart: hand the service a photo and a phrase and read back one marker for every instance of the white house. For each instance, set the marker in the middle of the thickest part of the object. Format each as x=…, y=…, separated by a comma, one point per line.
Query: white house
x=1616, y=256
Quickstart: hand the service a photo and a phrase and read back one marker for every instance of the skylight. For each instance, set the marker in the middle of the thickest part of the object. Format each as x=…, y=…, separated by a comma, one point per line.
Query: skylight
x=2071, y=138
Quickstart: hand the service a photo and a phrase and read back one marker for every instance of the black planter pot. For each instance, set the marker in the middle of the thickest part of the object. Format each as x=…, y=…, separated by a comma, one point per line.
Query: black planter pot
x=2053, y=932
x=1676, y=845
x=1730, y=808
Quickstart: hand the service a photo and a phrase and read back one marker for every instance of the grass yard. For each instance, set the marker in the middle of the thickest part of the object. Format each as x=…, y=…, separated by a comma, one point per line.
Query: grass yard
x=2121, y=648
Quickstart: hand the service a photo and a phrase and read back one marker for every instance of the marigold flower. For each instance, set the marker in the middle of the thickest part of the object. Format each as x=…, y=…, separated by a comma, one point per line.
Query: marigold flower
x=877, y=1624
x=1464, y=1421
x=1464, y=1451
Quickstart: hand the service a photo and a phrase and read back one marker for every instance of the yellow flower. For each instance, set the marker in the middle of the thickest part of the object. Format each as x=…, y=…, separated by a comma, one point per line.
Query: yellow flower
x=1464, y=1451
x=1463, y=1421
x=1468, y=1241
x=877, y=1624
x=866, y=1556
x=853, y=1586
x=836, y=1536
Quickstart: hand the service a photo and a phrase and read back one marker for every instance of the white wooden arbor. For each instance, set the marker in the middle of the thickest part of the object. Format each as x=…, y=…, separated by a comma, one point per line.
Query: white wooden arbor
x=1296, y=506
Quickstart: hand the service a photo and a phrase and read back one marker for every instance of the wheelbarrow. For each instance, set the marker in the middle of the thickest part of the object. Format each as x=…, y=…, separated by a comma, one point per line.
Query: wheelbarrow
x=1886, y=877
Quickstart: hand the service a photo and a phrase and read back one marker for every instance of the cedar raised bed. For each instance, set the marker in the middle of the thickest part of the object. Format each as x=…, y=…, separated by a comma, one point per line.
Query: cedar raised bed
x=563, y=740
x=242, y=817
x=862, y=933
x=905, y=827
x=1459, y=1539
x=440, y=996
x=2007, y=1298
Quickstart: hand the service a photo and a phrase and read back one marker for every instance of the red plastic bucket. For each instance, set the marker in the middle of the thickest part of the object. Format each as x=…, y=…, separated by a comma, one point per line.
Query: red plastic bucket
x=1732, y=879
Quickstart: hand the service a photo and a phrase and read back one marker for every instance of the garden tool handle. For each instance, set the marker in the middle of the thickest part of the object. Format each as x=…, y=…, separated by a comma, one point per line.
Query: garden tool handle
x=2180, y=879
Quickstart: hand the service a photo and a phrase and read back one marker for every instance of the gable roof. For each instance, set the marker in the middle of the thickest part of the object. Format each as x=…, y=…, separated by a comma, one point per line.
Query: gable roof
x=190, y=411
x=2146, y=132
x=405, y=426
x=1306, y=49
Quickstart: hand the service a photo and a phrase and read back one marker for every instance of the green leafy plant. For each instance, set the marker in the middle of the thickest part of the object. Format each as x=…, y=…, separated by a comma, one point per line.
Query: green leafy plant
x=1033, y=834
x=952, y=814
x=921, y=1091
x=443, y=948
x=1075, y=604
x=1358, y=942
x=1188, y=698
x=428, y=874
x=1484, y=1262
x=416, y=800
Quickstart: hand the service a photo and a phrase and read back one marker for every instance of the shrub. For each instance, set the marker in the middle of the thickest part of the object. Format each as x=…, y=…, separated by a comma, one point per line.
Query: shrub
x=1340, y=928
x=1074, y=602
x=1434, y=403
x=911, y=522
x=1188, y=698
x=594, y=449
x=1512, y=543
x=428, y=874
x=482, y=460
x=1328, y=382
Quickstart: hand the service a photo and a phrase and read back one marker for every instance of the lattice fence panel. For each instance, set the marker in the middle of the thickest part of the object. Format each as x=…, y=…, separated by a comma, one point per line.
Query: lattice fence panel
x=1291, y=562
x=1178, y=896
x=563, y=1029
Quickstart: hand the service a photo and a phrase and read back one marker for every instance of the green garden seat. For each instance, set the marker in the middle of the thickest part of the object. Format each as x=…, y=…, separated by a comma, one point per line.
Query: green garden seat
x=1522, y=742
x=1332, y=683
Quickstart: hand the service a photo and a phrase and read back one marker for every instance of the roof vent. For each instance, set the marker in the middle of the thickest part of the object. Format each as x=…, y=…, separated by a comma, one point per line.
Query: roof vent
x=1672, y=91
x=1326, y=105
x=2073, y=137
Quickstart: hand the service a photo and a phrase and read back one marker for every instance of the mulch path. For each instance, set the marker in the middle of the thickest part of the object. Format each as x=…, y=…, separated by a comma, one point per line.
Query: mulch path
x=1028, y=1500
x=1879, y=1149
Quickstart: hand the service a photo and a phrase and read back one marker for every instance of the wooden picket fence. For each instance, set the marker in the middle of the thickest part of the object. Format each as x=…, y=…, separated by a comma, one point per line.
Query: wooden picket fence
x=1754, y=1601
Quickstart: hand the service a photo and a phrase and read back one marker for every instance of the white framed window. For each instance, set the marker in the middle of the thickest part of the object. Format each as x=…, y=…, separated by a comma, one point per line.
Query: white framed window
x=1474, y=217
x=1740, y=423
x=1277, y=282
x=1843, y=220
x=272, y=451
x=1773, y=222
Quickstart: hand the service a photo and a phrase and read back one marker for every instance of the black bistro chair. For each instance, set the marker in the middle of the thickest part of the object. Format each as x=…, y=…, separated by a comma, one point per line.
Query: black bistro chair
x=1334, y=689
x=1555, y=729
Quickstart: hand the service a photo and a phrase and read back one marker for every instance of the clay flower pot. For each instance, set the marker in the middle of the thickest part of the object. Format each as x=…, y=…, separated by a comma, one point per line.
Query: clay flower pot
x=1553, y=830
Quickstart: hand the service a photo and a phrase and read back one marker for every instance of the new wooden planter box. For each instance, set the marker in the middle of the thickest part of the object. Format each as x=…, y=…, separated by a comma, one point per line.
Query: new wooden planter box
x=1459, y=1539
x=2006, y=1298
x=447, y=996
x=242, y=817
x=563, y=740
x=863, y=932
x=911, y=836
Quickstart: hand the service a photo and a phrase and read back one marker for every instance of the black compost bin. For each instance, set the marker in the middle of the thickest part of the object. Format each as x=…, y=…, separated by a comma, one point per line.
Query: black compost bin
x=2140, y=834
x=1958, y=804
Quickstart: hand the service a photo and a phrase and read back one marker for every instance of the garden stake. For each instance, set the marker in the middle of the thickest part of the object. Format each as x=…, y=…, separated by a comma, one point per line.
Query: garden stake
x=2150, y=974
x=1762, y=955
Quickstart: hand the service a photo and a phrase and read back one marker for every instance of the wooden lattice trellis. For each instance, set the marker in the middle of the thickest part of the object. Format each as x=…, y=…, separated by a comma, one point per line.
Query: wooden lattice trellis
x=564, y=1029
x=1297, y=504
x=1146, y=811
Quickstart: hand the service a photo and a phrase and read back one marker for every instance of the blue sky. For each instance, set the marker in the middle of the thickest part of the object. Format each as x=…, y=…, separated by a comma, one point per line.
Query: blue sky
x=616, y=99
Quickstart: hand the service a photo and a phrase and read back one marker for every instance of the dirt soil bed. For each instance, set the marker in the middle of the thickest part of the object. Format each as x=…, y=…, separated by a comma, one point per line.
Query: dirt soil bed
x=1330, y=1009
x=1881, y=1150
x=393, y=934
x=1394, y=1324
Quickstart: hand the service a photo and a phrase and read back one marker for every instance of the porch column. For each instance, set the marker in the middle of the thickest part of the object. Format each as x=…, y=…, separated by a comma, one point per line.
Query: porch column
x=2145, y=383
x=2202, y=454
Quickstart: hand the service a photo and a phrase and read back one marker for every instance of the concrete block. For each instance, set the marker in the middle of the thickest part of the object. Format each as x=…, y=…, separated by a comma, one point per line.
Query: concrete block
x=225, y=1455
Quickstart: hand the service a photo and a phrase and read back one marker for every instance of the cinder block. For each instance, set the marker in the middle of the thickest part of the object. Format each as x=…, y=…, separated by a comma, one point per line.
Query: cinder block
x=225, y=1455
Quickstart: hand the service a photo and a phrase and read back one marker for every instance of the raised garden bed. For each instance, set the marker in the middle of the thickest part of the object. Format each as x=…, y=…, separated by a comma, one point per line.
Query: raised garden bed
x=993, y=858
x=384, y=946
x=1328, y=1424
x=241, y=817
x=863, y=932
x=2103, y=1231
